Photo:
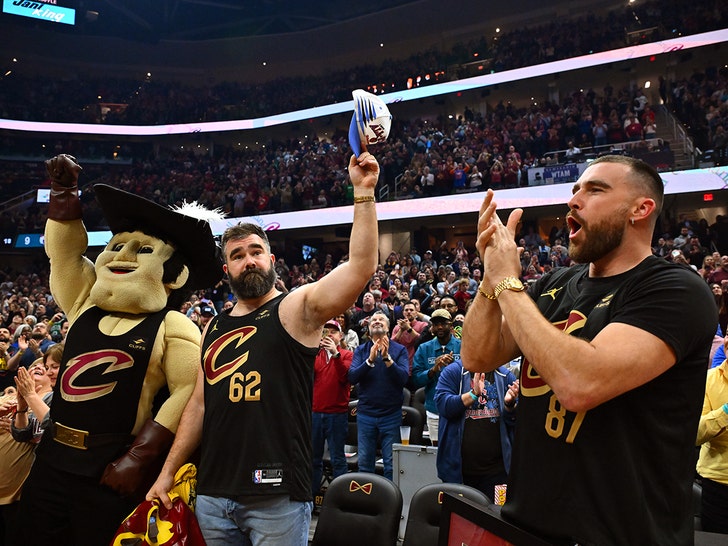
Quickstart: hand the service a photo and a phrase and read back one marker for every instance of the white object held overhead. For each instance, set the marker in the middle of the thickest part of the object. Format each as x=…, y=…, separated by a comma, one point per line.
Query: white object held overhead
x=370, y=123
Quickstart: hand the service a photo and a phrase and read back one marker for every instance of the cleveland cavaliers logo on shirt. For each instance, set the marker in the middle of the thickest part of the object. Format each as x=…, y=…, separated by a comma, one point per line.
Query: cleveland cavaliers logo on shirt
x=531, y=382
x=213, y=354
x=76, y=367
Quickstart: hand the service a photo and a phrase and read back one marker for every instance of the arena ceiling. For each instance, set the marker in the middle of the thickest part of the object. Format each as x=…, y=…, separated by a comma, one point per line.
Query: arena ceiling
x=255, y=40
x=194, y=20
x=214, y=19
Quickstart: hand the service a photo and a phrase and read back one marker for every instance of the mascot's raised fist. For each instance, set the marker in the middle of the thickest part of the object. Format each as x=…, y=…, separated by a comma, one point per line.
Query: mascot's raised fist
x=63, y=170
x=64, y=204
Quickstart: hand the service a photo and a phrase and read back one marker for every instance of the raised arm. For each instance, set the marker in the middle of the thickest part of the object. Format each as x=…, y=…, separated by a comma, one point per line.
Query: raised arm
x=358, y=368
x=311, y=305
x=486, y=339
x=399, y=365
x=28, y=399
x=343, y=363
x=451, y=402
x=66, y=240
x=14, y=361
x=421, y=369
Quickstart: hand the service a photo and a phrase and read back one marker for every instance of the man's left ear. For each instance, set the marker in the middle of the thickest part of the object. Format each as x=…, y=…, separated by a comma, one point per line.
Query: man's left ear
x=644, y=208
x=181, y=279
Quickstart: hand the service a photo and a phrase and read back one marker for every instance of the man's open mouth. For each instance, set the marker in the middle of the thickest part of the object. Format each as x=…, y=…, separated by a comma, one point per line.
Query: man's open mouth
x=574, y=226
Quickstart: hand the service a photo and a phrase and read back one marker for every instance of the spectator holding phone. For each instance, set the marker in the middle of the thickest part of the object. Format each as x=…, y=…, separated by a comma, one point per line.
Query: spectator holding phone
x=408, y=329
x=330, y=421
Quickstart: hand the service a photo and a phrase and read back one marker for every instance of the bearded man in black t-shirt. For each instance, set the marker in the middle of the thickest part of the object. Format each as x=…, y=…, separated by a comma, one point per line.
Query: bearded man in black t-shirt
x=614, y=367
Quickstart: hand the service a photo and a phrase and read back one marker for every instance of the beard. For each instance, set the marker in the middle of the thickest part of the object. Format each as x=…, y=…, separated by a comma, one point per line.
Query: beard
x=600, y=239
x=253, y=283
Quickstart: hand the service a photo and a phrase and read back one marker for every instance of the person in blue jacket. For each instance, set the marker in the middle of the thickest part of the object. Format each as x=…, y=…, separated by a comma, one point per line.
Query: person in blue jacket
x=477, y=422
x=430, y=359
x=380, y=370
x=719, y=355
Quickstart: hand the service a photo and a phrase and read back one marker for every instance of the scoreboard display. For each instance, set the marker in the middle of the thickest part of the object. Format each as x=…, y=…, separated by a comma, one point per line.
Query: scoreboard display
x=45, y=10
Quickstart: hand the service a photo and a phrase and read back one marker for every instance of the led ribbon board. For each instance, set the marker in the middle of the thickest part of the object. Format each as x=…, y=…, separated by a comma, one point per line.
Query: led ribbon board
x=484, y=80
x=45, y=11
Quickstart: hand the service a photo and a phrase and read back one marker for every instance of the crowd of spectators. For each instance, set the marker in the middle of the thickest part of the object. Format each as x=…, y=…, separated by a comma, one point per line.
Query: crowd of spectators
x=701, y=103
x=413, y=290
x=473, y=152
x=446, y=276
x=150, y=102
x=426, y=276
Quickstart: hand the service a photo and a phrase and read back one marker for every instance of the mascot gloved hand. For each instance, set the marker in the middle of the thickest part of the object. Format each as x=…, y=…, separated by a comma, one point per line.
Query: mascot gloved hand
x=134, y=472
x=64, y=202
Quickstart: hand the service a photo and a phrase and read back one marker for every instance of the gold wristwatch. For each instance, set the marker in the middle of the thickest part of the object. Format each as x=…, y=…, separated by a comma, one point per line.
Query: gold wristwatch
x=509, y=283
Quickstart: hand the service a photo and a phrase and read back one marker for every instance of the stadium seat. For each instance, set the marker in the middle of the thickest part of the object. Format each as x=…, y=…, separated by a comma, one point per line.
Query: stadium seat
x=423, y=519
x=360, y=509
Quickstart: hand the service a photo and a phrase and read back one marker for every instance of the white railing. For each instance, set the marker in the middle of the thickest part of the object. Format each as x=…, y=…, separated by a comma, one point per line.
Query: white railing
x=680, y=138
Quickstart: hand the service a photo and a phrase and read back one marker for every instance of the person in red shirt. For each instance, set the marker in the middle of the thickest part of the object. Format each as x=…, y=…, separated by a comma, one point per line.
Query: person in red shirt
x=720, y=273
x=331, y=390
x=408, y=330
x=633, y=128
x=461, y=296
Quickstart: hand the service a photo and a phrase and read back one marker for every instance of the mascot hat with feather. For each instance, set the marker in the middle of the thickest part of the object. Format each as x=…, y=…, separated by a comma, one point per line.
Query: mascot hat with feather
x=187, y=228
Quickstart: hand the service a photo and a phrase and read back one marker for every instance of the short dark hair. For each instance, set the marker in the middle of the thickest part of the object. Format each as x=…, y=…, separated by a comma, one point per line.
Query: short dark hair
x=243, y=230
x=645, y=174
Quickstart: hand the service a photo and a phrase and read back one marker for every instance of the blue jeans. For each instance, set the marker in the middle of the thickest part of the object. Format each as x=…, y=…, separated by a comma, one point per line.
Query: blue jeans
x=267, y=520
x=332, y=429
x=369, y=430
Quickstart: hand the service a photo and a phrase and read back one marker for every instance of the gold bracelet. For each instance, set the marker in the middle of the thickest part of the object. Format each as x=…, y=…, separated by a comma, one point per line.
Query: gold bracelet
x=364, y=199
x=484, y=293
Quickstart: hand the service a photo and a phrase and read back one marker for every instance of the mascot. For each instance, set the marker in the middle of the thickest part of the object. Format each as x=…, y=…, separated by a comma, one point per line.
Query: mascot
x=126, y=345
